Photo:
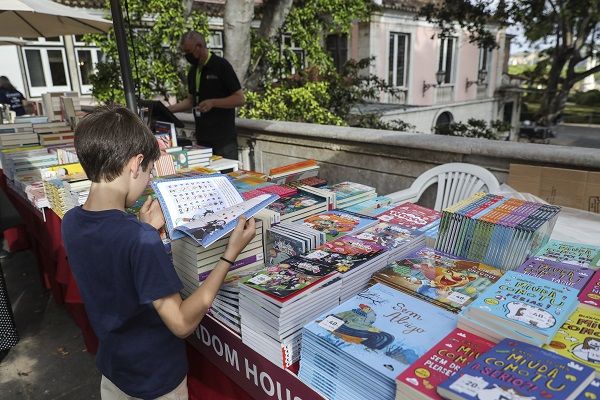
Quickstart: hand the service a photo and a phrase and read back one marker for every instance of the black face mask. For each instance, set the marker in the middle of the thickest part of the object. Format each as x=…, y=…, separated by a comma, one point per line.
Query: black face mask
x=191, y=59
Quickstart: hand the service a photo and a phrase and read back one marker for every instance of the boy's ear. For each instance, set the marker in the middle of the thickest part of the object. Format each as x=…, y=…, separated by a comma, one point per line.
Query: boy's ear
x=135, y=165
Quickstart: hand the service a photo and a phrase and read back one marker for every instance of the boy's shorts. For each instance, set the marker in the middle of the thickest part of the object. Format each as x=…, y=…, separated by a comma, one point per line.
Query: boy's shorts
x=109, y=391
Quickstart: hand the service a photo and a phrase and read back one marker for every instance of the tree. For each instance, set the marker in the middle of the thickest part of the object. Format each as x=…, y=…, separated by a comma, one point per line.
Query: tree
x=155, y=28
x=569, y=28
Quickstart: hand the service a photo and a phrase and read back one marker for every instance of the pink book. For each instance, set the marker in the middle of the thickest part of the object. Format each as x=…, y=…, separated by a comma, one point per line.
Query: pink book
x=442, y=361
x=590, y=294
x=282, y=191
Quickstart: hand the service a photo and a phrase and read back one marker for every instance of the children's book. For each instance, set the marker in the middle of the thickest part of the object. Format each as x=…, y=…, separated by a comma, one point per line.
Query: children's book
x=345, y=253
x=338, y=223
x=439, y=278
x=443, y=360
x=524, y=306
x=582, y=255
x=591, y=392
x=279, y=247
x=297, y=202
x=204, y=207
x=166, y=128
x=514, y=370
x=382, y=329
x=372, y=207
x=590, y=294
x=565, y=274
x=344, y=190
x=579, y=337
x=388, y=235
x=410, y=215
x=288, y=278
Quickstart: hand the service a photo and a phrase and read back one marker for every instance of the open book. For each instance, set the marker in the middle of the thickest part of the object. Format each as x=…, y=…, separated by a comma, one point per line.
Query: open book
x=204, y=207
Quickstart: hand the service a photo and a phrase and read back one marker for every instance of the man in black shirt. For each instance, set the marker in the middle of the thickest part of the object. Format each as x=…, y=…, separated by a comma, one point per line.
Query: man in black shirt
x=11, y=96
x=214, y=92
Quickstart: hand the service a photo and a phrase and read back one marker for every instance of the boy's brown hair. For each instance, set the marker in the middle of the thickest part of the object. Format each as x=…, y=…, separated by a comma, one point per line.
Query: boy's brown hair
x=107, y=138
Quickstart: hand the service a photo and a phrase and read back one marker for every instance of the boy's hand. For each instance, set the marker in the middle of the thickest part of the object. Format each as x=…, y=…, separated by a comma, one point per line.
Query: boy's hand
x=243, y=233
x=152, y=214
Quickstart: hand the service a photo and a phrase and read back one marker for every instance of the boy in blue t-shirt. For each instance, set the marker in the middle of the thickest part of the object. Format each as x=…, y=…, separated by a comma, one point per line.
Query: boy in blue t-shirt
x=127, y=281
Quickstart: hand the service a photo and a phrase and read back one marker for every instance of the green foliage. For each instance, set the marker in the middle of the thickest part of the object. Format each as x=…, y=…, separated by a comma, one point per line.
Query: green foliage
x=156, y=60
x=589, y=98
x=474, y=128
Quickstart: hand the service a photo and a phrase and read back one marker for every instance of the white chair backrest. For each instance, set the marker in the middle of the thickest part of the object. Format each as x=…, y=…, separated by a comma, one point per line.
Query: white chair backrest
x=456, y=181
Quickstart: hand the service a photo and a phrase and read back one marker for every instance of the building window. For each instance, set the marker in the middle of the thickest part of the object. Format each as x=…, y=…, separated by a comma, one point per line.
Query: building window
x=292, y=54
x=398, y=59
x=46, y=70
x=446, y=59
x=51, y=41
x=442, y=123
x=337, y=47
x=485, y=59
x=86, y=61
x=215, y=42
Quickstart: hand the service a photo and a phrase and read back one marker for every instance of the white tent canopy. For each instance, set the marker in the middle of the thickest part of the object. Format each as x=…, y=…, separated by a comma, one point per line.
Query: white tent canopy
x=35, y=18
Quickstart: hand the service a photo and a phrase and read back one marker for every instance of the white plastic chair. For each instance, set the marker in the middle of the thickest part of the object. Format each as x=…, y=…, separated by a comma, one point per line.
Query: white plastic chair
x=456, y=181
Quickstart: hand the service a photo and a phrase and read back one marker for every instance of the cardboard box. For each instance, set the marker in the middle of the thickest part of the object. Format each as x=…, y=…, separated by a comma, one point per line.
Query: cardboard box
x=564, y=187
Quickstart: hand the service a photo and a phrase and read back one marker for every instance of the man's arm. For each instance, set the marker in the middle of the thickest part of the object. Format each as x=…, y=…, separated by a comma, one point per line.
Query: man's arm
x=236, y=99
x=182, y=106
x=183, y=316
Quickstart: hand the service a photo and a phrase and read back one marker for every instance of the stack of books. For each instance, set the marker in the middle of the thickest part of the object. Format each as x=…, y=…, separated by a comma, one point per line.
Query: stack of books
x=7, y=153
x=295, y=207
x=15, y=135
x=444, y=359
x=64, y=154
x=496, y=230
x=375, y=335
x=348, y=194
x=63, y=195
x=277, y=301
x=294, y=172
x=412, y=216
x=282, y=191
x=286, y=240
x=338, y=223
x=438, y=278
x=198, y=156
x=397, y=241
x=520, y=307
x=576, y=254
x=26, y=162
x=558, y=272
x=356, y=260
x=517, y=370
x=371, y=207
x=54, y=133
x=577, y=339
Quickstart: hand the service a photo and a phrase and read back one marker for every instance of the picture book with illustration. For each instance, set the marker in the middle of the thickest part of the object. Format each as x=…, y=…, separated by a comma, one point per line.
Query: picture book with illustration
x=579, y=337
x=387, y=235
x=590, y=294
x=518, y=371
x=439, y=278
x=582, y=255
x=279, y=246
x=204, y=207
x=345, y=253
x=337, y=223
x=565, y=274
x=443, y=360
x=410, y=215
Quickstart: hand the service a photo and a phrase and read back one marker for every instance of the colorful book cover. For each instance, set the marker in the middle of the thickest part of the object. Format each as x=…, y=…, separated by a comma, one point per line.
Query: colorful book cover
x=591, y=392
x=527, y=301
x=410, y=215
x=279, y=247
x=180, y=159
x=337, y=223
x=443, y=360
x=565, y=274
x=439, y=278
x=579, y=337
x=297, y=202
x=383, y=329
x=345, y=253
x=285, y=279
x=344, y=190
x=372, y=207
x=514, y=370
x=591, y=292
x=388, y=235
x=583, y=255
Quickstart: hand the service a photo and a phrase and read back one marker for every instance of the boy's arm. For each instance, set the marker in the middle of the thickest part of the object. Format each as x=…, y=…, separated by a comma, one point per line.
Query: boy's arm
x=183, y=316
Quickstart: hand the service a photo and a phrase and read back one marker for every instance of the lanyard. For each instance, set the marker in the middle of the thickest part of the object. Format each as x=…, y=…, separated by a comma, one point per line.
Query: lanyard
x=199, y=74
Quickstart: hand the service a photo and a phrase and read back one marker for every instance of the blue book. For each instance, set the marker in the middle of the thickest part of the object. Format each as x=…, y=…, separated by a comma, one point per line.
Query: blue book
x=591, y=392
x=383, y=329
x=204, y=207
x=523, y=307
x=513, y=370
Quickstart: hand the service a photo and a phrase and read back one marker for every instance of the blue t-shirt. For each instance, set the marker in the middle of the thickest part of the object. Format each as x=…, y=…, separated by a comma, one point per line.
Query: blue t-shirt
x=121, y=266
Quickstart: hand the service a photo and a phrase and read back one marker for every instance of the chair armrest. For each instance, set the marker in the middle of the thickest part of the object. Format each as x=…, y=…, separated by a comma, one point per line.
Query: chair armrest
x=403, y=196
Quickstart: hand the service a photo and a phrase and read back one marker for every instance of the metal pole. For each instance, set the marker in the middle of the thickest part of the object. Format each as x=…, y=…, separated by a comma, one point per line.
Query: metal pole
x=117, y=17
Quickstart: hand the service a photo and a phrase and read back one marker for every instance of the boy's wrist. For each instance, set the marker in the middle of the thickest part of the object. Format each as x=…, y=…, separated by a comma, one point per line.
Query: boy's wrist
x=230, y=255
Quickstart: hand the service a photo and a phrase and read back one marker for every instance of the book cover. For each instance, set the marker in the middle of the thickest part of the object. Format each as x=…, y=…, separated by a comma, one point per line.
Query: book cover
x=591, y=292
x=410, y=215
x=337, y=223
x=344, y=190
x=204, y=207
x=388, y=235
x=297, y=202
x=443, y=360
x=371, y=207
x=579, y=337
x=565, y=274
x=287, y=278
x=518, y=371
x=345, y=253
x=279, y=247
x=582, y=255
x=591, y=392
x=439, y=278
x=383, y=329
x=527, y=301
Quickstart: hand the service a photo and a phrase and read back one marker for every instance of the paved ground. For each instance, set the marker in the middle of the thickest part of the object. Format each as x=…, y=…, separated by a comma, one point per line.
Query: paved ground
x=577, y=135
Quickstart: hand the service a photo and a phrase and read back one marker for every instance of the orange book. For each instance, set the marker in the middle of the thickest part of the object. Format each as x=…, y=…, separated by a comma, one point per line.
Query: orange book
x=292, y=167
